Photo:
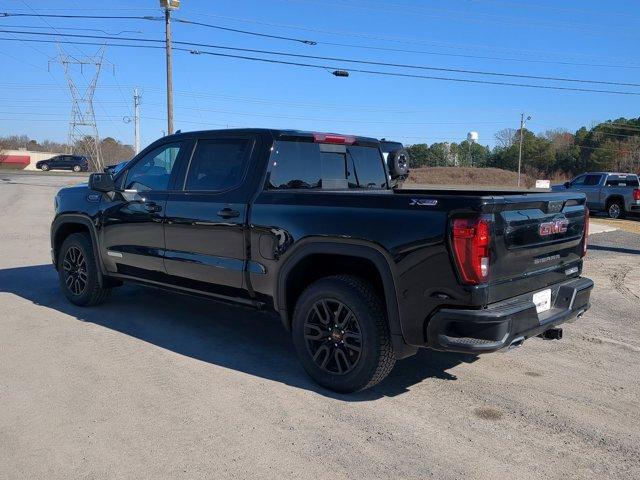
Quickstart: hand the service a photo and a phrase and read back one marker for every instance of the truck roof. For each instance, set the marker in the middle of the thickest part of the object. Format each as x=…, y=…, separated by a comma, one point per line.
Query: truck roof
x=611, y=173
x=276, y=133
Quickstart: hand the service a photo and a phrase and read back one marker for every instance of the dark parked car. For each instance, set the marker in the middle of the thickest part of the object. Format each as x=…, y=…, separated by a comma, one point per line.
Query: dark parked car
x=76, y=163
x=305, y=225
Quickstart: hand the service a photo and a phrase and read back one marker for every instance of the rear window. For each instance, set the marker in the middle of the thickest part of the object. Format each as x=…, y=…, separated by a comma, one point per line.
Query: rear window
x=620, y=181
x=313, y=166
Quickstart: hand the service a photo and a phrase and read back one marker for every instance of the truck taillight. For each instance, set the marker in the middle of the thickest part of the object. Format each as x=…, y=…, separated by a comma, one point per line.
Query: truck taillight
x=636, y=194
x=471, y=238
x=586, y=231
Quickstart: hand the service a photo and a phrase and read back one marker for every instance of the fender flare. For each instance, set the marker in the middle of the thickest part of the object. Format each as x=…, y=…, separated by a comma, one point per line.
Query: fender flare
x=75, y=218
x=341, y=247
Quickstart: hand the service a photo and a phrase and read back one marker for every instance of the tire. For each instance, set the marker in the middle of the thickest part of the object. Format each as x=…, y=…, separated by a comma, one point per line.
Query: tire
x=44, y=167
x=615, y=209
x=398, y=162
x=77, y=168
x=369, y=331
x=78, y=271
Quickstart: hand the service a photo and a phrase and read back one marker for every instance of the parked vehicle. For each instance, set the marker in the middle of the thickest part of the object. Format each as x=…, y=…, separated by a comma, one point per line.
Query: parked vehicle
x=305, y=225
x=617, y=194
x=76, y=163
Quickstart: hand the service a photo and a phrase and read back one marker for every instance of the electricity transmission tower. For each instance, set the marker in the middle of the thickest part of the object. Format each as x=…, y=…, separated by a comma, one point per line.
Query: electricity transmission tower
x=83, y=130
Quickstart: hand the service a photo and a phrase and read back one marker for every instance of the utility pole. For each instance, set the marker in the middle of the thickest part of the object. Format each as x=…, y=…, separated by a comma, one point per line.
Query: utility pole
x=136, y=120
x=522, y=124
x=168, y=6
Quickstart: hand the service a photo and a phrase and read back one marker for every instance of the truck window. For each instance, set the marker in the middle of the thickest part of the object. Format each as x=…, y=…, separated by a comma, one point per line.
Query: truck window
x=592, y=180
x=368, y=169
x=578, y=181
x=619, y=181
x=306, y=165
x=152, y=172
x=217, y=165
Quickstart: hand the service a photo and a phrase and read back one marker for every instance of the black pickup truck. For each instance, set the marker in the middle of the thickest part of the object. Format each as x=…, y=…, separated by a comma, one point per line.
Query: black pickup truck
x=307, y=226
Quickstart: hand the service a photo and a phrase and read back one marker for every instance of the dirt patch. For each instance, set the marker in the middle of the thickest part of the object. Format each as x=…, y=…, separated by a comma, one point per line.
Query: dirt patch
x=488, y=413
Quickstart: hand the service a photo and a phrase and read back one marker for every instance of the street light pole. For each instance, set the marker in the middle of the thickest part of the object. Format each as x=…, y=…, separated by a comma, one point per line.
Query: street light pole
x=522, y=124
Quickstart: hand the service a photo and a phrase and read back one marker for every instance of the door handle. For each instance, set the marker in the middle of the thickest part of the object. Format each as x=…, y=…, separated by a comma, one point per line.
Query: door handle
x=228, y=213
x=152, y=207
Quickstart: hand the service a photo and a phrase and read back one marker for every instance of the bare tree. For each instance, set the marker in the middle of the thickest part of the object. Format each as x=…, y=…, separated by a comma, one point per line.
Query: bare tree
x=506, y=137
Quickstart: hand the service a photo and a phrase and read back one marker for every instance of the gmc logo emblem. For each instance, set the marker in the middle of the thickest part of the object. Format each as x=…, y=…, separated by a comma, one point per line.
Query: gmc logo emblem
x=550, y=228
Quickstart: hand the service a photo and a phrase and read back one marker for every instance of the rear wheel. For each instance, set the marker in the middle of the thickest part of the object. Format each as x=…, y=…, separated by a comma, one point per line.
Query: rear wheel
x=341, y=335
x=615, y=209
x=45, y=167
x=77, y=168
x=78, y=271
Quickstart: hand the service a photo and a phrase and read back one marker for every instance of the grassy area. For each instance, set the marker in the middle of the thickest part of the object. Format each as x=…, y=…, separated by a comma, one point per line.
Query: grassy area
x=468, y=176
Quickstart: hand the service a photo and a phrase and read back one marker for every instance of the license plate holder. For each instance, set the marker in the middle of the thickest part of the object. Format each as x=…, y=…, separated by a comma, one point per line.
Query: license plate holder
x=542, y=300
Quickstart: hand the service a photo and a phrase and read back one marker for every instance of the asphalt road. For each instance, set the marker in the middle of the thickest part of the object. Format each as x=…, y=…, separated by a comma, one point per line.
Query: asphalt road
x=158, y=385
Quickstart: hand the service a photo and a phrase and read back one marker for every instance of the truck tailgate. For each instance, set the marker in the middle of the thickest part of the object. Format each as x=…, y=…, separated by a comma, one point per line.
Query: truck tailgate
x=537, y=241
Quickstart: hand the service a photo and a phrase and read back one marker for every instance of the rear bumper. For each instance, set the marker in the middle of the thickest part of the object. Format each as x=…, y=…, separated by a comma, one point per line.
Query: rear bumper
x=500, y=325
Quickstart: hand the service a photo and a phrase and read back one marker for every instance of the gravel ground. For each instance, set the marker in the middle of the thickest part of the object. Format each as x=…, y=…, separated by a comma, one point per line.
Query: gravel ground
x=158, y=385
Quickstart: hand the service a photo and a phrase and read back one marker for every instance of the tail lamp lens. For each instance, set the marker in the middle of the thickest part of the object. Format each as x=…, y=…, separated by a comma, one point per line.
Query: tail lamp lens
x=471, y=238
x=636, y=194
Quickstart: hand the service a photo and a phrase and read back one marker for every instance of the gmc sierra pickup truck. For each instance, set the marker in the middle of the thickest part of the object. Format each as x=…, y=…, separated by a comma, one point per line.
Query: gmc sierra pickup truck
x=617, y=194
x=306, y=225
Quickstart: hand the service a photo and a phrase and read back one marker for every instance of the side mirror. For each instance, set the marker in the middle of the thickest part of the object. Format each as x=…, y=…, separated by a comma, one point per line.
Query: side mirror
x=101, y=182
x=567, y=184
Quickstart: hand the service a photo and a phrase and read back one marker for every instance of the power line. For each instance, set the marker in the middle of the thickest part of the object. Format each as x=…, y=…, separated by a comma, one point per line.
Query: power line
x=314, y=42
x=147, y=17
x=330, y=67
x=389, y=39
x=245, y=32
x=355, y=61
x=78, y=29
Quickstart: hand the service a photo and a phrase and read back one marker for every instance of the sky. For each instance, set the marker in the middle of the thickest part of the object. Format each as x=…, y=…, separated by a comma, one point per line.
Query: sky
x=587, y=40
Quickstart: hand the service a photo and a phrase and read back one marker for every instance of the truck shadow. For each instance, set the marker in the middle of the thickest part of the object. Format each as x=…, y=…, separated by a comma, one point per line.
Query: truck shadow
x=229, y=336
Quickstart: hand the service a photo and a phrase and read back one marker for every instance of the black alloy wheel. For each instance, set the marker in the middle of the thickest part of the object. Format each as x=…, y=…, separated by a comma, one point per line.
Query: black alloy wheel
x=333, y=336
x=74, y=265
x=341, y=334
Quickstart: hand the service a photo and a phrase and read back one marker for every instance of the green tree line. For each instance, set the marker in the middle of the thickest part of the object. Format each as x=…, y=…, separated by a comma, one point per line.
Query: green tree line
x=611, y=146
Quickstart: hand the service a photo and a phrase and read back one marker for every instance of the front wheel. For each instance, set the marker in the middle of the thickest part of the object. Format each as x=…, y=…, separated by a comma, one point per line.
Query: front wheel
x=45, y=167
x=615, y=210
x=78, y=271
x=341, y=335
